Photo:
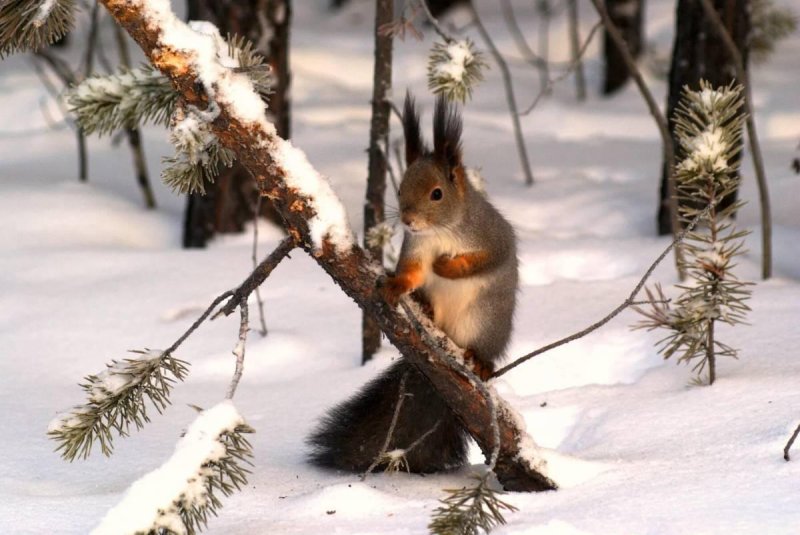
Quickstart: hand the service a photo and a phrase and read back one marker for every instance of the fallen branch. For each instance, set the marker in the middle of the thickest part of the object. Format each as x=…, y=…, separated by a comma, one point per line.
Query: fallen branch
x=319, y=227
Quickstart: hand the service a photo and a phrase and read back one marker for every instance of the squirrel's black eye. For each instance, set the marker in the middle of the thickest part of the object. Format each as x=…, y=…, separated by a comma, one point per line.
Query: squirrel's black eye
x=436, y=194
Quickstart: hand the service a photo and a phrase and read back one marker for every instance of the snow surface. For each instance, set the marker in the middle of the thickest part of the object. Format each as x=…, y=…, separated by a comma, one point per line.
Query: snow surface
x=87, y=274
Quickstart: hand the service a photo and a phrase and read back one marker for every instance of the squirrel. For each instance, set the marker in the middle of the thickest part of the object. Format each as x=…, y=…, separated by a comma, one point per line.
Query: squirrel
x=459, y=257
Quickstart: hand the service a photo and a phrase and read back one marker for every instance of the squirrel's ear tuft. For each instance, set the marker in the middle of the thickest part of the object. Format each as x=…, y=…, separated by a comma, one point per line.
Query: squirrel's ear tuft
x=447, y=134
x=415, y=147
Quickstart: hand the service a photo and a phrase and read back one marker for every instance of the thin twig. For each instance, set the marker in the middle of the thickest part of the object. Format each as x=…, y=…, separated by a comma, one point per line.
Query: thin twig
x=543, y=11
x=259, y=275
x=629, y=301
x=199, y=321
x=134, y=135
x=435, y=23
x=238, y=350
x=259, y=301
x=390, y=168
x=401, y=397
x=463, y=370
x=752, y=135
x=91, y=42
x=661, y=122
x=522, y=44
x=575, y=50
x=68, y=78
x=510, y=99
x=789, y=444
x=550, y=83
x=424, y=435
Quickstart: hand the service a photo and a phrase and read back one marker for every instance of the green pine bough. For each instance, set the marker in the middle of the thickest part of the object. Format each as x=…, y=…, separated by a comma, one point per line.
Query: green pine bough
x=709, y=130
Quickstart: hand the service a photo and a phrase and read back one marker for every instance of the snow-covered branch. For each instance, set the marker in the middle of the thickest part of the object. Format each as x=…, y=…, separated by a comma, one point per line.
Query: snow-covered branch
x=311, y=211
x=180, y=495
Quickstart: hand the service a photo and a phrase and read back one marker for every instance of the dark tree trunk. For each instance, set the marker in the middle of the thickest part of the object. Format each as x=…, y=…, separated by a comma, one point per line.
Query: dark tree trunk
x=628, y=16
x=378, y=142
x=228, y=203
x=699, y=53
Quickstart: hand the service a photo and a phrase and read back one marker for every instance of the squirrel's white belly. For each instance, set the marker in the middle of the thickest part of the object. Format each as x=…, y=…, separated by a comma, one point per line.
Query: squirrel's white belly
x=453, y=303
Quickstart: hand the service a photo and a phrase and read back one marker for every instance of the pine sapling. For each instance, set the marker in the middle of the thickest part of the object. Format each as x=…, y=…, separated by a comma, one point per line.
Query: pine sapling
x=708, y=127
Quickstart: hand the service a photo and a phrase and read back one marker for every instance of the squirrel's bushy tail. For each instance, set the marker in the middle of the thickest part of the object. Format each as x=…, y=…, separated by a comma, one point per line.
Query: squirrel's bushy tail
x=352, y=434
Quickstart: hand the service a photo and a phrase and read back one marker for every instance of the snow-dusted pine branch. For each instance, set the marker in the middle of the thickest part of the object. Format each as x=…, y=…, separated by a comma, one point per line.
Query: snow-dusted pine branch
x=181, y=495
x=454, y=69
x=126, y=99
x=32, y=24
x=470, y=510
x=115, y=401
x=708, y=124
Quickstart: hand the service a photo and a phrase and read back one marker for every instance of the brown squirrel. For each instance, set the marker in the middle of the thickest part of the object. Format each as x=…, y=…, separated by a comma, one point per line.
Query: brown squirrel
x=459, y=253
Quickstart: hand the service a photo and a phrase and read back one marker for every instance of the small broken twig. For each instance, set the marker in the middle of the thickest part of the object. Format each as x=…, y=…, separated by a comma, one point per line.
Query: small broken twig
x=789, y=444
x=256, y=214
x=238, y=350
x=401, y=396
x=258, y=276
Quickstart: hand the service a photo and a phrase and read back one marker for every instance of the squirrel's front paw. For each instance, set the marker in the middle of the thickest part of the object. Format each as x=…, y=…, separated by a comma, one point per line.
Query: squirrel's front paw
x=392, y=288
x=446, y=266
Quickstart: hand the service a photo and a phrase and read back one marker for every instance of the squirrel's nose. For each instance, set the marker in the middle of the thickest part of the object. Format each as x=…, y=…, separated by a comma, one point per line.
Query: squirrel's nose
x=407, y=218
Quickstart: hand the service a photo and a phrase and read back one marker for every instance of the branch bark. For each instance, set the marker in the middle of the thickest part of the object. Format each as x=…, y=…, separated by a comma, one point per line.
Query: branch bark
x=256, y=145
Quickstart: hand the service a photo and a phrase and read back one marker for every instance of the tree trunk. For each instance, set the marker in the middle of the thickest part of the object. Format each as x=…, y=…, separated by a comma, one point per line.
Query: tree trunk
x=229, y=202
x=348, y=265
x=628, y=16
x=700, y=53
x=378, y=143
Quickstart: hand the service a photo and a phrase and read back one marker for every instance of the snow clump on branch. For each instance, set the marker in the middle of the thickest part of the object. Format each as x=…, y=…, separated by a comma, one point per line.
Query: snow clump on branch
x=178, y=496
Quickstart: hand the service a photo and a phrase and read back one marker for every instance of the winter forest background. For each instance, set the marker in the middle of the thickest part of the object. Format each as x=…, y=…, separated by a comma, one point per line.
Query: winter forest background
x=99, y=256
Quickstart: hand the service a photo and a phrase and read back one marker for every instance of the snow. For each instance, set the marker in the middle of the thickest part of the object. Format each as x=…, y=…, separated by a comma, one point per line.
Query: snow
x=43, y=12
x=85, y=273
x=460, y=56
x=150, y=503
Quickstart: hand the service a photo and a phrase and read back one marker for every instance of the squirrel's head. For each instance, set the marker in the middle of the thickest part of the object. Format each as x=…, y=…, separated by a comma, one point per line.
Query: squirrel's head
x=432, y=193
